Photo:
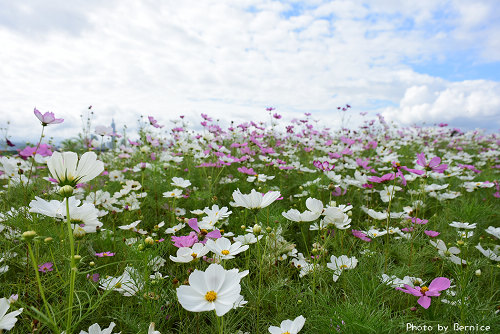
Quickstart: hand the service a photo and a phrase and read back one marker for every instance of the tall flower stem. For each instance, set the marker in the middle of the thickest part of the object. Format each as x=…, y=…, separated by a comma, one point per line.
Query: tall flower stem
x=260, y=275
x=386, y=253
x=40, y=287
x=33, y=156
x=72, y=270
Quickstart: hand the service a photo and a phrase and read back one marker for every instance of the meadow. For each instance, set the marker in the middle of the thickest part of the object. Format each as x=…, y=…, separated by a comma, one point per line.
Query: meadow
x=266, y=227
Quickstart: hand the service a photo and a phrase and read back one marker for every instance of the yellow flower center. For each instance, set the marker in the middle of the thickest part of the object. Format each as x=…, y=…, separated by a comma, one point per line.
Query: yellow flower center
x=424, y=289
x=172, y=194
x=194, y=255
x=118, y=285
x=343, y=266
x=287, y=332
x=225, y=252
x=211, y=296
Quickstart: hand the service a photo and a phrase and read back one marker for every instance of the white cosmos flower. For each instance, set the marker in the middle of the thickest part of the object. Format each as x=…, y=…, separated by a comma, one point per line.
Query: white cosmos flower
x=127, y=284
x=247, y=239
x=490, y=254
x=67, y=170
x=449, y=253
x=494, y=231
x=289, y=326
x=223, y=248
x=151, y=329
x=7, y=320
x=338, y=264
x=214, y=289
x=466, y=226
x=180, y=182
x=254, y=200
x=96, y=329
x=173, y=229
x=188, y=254
x=176, y=193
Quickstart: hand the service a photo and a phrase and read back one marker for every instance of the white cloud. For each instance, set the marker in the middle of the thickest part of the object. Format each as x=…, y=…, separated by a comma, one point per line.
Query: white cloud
x=478, y=100
x=231, y=59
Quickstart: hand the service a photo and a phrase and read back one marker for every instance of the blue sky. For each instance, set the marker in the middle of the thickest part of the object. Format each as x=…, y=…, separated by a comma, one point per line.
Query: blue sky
x=431, y=60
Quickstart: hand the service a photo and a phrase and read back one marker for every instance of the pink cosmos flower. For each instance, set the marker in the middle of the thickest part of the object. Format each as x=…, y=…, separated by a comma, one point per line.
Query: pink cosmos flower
x=154, y=122
x=433, y=164
x=203, y=235
x=44, y=267
x=47, y=118
x=361, y=235
x=431, y=233
x=185, y=240
x=382, y=179
x=425, y=293
x=104, y=254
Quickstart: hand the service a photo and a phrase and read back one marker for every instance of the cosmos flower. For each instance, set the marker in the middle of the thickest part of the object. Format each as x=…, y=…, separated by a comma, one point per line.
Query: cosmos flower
x=425, y=293
x=45, y=267
x=96, y=329
x=7, y=320
x=338, y=264
x=432, y=165
x=47, y=118
x=67, y=170
x=254, y=200
x=223, y=248
x=214, y=289
x=289, y=326
x=188, y=254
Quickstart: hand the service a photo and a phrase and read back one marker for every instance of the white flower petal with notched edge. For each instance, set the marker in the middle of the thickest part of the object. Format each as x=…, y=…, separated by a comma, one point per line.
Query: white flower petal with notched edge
x=66, y=169
x=254, y=200
x=96, y=329
x=289, y=326
x=7, y=320
x=215, y=289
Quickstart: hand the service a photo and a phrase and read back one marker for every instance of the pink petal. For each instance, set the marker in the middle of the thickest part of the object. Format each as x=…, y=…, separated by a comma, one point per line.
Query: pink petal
x=424, y=301
x=439, y=284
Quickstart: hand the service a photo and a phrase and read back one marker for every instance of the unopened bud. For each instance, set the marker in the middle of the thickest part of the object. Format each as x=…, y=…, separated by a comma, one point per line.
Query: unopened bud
x=268, y=229
x=149, y=241
x=478, y=272
x=48, y=239
x=66, y=191
x=257, y=229
x=91, y=263
x=79, y=232
x=29, y=235
x=77, y=257
x=460, y=242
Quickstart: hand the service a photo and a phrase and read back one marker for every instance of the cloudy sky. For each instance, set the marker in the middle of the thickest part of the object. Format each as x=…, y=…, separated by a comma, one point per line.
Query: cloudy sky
x=413, y=61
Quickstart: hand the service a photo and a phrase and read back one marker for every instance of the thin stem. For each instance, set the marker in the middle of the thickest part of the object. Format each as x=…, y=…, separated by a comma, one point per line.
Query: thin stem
x=40, y=287
x=72, y=269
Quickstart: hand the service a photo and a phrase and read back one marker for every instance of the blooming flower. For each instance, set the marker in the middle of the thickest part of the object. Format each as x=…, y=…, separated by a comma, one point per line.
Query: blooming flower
x=254, y=200
x=44, y=267
x=127, y=284
x=289, y=326
x=433, y=164
x=214, y=289
x=180, y=182
x=96, y=329
x=361, y=235
x=67, y=170
x=338, y=264
x=425, y=293
x=449, y=253
x=47, y=118
x=7, y=320
x=104, y=254
x=188, y=254
x=223, y=248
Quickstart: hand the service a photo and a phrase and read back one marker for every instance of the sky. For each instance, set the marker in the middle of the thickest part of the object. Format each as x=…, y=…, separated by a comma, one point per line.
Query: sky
x=415, y=62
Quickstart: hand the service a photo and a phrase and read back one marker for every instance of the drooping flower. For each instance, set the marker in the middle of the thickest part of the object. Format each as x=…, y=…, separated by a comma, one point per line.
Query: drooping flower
x=67, y=170
x=128, y=284
x=214, y=289
x=449, y=253
x=47, y=118
x=289, y=326
x=7, y=320
x=425, y=293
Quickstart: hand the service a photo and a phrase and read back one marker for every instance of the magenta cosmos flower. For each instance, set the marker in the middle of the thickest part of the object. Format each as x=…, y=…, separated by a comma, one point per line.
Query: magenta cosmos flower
x=47, y=118
x=433, y=164
x=425, y=293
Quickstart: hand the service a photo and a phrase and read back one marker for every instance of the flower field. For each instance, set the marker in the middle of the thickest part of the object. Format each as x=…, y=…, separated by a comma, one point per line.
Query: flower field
x=267, y=227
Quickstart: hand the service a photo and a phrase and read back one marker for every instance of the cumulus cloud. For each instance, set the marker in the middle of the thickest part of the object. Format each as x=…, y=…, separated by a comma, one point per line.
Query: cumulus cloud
x=231, y=59
x=477, y=100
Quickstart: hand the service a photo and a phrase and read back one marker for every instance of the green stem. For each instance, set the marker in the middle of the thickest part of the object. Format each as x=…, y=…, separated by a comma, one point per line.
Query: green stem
x=72, y=269
x=40, y=287
x=33, y=156
x=387, y=226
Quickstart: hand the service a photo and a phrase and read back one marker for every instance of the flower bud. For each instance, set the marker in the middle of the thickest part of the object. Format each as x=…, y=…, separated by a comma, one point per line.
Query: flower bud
x=79, y=232
x=48, y=239
x=29, y=235
x=257, y=229
x=478, y=272
x=149, y=241
x=91, y=263
x=77, y=257
x=268, y=229
x=460, y=242
x=66, y=191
